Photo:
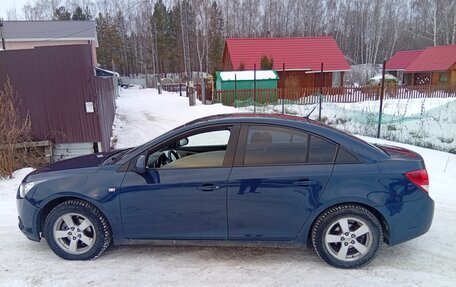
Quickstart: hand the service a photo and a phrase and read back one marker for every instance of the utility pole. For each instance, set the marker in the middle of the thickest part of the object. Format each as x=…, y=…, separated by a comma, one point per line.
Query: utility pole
x=1, y=34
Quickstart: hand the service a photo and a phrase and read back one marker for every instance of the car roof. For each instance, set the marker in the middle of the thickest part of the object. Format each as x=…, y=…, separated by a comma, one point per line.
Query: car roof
x=241, y=117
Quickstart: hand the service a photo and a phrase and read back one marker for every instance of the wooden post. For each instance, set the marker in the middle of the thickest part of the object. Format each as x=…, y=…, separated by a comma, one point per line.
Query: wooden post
x=203, y=91
x=159, y=85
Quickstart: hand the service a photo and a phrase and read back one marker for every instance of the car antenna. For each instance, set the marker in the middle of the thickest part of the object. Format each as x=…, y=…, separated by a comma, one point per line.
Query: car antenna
x=311, y=112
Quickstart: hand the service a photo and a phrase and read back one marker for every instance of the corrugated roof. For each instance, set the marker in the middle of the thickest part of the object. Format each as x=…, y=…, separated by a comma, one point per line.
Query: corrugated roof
x=401, y=59
x=248, y=75
x=303, y=53
x=439, y=58
x=49, y=30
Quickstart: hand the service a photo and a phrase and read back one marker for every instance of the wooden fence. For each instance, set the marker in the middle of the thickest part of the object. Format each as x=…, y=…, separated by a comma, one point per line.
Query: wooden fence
x=178, y=87
x=331, y=94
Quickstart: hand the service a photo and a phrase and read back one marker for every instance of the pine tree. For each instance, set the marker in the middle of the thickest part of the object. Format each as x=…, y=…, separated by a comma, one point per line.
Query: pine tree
x=80, y=15
x=266, y=63
x=110, y=43
x=161, y=25
x=175, y=55
x=216, y=39
x=62, y=14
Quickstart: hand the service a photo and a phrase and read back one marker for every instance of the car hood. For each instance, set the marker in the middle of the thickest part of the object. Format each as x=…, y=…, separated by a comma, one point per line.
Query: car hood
x=91, y=160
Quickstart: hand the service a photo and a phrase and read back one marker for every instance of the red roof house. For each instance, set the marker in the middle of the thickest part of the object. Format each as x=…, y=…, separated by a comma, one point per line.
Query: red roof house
x=400, y=60
x=433, y=65
x=302, y=57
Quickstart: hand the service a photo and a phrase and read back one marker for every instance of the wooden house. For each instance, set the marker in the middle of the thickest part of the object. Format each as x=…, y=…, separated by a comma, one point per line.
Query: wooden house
x=297, y=61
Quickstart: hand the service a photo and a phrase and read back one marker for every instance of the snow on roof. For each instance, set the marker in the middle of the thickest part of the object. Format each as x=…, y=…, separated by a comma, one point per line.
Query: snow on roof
x=248, y=75
x=108, y=71
x=388, y=77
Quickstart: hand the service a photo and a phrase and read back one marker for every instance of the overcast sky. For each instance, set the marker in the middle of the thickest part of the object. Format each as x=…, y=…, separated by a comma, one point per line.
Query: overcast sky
x=6, y=5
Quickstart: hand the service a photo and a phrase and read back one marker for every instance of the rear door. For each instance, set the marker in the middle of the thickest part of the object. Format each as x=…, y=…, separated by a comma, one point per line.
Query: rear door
x=277, y=179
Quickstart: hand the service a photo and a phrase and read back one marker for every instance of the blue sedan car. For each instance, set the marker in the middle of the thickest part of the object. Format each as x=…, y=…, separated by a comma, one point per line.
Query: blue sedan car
x=239, y=179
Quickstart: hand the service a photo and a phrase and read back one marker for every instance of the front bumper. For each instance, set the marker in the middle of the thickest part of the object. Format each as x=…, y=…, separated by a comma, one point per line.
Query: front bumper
x=408, y=220
x=28, y=219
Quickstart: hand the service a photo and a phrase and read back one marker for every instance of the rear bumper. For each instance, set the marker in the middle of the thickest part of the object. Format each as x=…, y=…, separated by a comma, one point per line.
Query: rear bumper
x=408, y=220
x=28, y=219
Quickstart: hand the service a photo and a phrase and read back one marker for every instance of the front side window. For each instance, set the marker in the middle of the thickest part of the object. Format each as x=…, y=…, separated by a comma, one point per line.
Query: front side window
x=204, y=149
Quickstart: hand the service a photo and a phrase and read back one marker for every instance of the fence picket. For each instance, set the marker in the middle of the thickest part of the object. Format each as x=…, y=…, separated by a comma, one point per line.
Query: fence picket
x=336, y=94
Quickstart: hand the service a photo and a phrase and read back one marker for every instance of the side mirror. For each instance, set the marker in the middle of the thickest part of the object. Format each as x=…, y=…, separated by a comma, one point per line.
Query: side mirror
x=140, y=165
x=182, y=142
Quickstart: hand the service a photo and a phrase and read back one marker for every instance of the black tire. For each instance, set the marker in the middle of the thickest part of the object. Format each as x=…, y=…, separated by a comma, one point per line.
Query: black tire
x=345, y=249
x=69, y=241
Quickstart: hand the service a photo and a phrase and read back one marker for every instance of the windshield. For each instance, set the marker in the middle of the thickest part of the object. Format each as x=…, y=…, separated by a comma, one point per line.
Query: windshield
x=117, y=155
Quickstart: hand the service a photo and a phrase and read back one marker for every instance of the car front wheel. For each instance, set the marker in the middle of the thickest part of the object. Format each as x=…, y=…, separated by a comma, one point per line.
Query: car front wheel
x=347, y=236
x=76, y=230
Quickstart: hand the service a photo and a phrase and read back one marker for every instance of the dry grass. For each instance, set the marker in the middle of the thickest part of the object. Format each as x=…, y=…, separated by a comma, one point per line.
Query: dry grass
x=13, y=130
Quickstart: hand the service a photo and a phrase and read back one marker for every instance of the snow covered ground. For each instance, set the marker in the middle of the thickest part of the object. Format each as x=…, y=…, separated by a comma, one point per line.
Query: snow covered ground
x=429, y=260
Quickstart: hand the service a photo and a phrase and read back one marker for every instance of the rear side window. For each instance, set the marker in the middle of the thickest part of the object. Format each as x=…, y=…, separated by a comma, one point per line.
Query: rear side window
x=321, y=150
x=275, y=145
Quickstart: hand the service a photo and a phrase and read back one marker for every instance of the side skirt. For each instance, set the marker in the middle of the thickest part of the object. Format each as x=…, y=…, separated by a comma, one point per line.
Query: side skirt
x=223, y=243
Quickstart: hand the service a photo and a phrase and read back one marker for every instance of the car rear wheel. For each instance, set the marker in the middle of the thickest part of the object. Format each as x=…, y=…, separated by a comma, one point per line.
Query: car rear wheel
x=347, y=236
x=76, y=230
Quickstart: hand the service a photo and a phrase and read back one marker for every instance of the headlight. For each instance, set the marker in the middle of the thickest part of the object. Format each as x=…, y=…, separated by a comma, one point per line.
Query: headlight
x=25, y=187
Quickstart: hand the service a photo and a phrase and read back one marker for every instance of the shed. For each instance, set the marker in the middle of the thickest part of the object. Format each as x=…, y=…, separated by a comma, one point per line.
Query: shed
x=66, y=103
x=233, y=87
x=244, y=80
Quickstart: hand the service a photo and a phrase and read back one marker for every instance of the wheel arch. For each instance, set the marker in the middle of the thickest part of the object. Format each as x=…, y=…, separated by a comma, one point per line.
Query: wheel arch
x=49, y=206
x=380, y=217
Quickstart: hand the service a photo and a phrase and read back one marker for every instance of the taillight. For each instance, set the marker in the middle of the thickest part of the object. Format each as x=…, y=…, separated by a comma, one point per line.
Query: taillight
x=420, y=178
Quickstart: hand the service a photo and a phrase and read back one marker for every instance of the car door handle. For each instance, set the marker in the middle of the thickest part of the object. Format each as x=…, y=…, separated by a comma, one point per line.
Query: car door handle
x=305, y=182
x=208, y=187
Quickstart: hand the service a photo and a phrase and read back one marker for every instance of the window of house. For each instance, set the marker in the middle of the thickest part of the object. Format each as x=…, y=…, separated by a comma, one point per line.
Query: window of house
x=443, y=78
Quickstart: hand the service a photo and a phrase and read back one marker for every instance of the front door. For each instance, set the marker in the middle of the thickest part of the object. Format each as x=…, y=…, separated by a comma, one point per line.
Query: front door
x=182, y=195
